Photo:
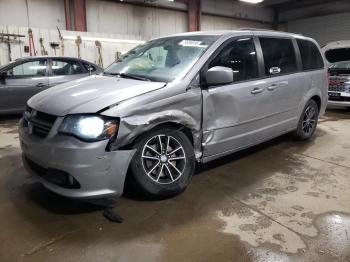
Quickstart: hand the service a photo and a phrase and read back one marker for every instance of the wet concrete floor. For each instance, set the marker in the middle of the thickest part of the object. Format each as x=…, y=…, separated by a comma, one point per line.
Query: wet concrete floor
x=280, y=201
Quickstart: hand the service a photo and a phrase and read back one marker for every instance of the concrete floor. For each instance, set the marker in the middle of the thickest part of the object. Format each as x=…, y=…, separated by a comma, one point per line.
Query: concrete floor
x=280, y=201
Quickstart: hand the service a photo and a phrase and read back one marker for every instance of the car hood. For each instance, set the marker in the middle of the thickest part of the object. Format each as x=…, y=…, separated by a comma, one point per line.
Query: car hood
x=89, y=94
x=337, y=51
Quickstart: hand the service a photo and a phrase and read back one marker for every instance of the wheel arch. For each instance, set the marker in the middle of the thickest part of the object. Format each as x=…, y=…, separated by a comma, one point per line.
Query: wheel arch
x=177, y=126
x=190, y=133
x=317, y=99
x=313, y=94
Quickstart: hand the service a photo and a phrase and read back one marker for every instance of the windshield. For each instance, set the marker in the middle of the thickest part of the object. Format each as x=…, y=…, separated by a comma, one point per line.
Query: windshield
x=341, y=65
x=163, y=59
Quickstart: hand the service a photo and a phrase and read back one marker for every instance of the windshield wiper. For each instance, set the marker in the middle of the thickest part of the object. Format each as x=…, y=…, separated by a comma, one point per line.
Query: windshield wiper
x=123, y=75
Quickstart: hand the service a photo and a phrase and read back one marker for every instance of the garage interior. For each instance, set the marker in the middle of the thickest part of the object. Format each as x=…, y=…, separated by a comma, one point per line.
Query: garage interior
x=279, y=201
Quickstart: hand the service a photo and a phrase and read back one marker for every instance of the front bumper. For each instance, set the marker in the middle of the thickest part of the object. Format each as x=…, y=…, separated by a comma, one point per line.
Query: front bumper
x=338, y=103
x=342, y=100
x=99, y=174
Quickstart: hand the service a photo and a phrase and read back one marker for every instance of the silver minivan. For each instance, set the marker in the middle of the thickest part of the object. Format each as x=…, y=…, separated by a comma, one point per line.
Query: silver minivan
x=168, y=104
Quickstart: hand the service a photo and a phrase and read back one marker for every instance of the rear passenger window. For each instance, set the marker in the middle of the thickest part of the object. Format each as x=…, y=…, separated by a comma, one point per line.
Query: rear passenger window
x=279, y=56
x=240, y=55
x=66, y=67
x=310, y=55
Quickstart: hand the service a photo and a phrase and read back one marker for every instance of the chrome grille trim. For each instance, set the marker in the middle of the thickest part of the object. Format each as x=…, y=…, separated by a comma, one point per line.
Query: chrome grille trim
x=38, y=123
x=339, y=84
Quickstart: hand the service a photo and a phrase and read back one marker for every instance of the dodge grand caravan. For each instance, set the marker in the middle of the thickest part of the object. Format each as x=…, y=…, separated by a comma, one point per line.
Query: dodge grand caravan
x=168, y=103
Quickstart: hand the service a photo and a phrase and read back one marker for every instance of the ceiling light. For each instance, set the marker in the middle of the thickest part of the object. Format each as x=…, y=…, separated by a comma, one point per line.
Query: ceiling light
x=252, y=1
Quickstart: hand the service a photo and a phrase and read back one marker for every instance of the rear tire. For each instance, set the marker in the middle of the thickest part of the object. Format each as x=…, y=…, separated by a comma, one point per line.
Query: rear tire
x=163, y=164
x=307, y=122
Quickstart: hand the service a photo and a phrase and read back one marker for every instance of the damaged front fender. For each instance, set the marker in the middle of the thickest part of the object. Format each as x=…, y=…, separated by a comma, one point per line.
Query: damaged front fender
x=141, y=114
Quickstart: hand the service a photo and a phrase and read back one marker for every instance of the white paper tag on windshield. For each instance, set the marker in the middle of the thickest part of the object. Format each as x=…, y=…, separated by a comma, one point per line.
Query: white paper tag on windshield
x=191, y=43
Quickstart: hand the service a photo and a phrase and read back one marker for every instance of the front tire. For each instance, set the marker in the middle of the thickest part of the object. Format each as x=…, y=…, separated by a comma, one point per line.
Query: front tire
x=308, y=121
x=163, y=164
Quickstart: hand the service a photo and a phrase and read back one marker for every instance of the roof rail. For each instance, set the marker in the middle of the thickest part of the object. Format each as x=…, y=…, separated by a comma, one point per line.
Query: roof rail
x=268, y=30
x=257, y=29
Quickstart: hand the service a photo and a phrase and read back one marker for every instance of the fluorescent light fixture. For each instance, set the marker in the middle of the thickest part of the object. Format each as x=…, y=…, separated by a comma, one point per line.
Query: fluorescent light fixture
x=252, y=1
x=110, y=40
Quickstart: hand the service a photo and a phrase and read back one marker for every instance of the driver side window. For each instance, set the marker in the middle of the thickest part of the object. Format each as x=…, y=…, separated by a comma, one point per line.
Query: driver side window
x=28, y=69
x=240, y=56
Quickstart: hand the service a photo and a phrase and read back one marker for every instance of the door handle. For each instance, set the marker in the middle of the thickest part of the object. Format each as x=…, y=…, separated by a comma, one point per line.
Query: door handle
x=257, y=90
x=272, y=87
x=276, y=85
x=40, y=85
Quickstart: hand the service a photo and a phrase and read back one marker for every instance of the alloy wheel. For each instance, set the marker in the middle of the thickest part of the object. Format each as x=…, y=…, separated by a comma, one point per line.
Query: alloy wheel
x=163, y=159
x=309, y=120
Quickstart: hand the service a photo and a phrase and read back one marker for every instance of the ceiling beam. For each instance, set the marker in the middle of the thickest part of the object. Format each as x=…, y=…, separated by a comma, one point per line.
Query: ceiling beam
x=301, y=4
x=270, y=3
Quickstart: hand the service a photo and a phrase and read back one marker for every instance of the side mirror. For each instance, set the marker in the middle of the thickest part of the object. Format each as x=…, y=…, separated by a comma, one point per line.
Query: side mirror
x=219, y=75
x=3, y=76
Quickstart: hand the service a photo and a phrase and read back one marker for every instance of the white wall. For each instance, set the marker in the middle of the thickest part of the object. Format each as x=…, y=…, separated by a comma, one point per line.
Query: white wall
x=324, y=28
x=88, y=48
x=40, y=13
x=209, y=23
x=121, y=18
x=103, y=16
x=109, y=19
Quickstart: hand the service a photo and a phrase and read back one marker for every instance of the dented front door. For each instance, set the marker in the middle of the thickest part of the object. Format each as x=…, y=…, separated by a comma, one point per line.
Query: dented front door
x=234, y=115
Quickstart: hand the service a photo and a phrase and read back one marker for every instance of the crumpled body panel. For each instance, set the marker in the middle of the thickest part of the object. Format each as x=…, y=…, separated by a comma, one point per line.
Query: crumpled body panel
x=183, y=108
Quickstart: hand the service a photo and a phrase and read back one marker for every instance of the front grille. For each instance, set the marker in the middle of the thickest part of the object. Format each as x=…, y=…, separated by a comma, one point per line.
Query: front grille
x=337, y=84
x=38, y=123
x=337, y=88
x=54, y=176
x=46, y=117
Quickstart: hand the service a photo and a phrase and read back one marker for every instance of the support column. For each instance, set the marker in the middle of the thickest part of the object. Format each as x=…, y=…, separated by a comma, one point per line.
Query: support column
x=80, y=15
x=75, y=13
x=194, y=14
x=276, y=21
x=67, y=14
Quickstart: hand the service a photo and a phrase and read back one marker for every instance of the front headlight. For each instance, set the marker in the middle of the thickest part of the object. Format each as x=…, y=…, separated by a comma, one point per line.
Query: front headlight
x=89, y=127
